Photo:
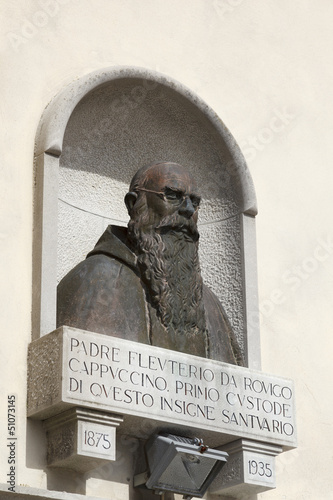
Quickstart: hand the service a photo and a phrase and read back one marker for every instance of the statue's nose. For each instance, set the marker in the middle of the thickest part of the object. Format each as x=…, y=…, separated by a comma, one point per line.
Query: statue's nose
x=186, y=209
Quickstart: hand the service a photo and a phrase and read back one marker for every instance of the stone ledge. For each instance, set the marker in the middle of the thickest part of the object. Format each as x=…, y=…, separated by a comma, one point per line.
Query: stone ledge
x=25, y=492
x=154, y=389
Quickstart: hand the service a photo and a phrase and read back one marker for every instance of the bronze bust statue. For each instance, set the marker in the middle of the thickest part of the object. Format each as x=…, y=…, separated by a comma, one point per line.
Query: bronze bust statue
x=143, y=283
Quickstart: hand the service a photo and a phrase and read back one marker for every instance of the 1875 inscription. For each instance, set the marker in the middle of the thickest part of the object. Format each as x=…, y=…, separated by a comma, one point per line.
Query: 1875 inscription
x=131, y=378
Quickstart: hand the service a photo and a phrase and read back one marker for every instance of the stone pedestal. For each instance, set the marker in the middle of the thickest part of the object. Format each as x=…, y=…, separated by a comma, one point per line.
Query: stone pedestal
x=156, y=389
x=82, y=385
x=250, y=469
x=81, y=439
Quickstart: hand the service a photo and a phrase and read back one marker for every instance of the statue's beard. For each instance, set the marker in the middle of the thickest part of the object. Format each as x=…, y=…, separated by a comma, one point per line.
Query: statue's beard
x=169, y=266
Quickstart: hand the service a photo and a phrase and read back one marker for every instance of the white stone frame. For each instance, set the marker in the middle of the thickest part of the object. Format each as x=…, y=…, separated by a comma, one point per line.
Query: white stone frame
x=48, y=148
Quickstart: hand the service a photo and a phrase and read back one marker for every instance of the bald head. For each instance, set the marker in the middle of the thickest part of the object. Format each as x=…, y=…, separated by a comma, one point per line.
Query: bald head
x=155, y=174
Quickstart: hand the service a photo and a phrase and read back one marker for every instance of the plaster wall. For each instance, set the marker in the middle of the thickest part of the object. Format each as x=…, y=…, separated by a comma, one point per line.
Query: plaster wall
x=263, y=67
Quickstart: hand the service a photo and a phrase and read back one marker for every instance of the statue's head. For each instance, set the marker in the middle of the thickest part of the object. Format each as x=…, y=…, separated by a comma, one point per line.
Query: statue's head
x=163, y=204
x=164, y=196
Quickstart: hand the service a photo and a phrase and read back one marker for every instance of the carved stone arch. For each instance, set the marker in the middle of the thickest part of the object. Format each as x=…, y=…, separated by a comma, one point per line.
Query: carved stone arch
x=92, y=138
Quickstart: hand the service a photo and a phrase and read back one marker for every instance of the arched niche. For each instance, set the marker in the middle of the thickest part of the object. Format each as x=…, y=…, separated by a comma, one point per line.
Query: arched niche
x=92, y=138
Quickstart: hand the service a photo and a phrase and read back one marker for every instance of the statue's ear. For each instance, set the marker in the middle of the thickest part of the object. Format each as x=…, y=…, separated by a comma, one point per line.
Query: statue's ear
x=130, y=200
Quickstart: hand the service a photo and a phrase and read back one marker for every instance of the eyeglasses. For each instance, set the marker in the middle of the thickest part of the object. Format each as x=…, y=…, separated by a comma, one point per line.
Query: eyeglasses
x=175, y=196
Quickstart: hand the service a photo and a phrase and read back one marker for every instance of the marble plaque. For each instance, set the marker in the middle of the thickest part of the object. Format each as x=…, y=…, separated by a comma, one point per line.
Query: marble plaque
x=71, y=367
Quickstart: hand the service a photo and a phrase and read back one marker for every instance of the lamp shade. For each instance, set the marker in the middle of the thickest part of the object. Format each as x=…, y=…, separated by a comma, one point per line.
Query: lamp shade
x=182, y=465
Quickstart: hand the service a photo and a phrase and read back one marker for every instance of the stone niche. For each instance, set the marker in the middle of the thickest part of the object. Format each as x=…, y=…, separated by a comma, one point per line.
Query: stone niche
x=92, y=138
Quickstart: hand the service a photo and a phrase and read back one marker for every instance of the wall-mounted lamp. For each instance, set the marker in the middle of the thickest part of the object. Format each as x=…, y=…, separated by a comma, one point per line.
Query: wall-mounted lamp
x=180, y=465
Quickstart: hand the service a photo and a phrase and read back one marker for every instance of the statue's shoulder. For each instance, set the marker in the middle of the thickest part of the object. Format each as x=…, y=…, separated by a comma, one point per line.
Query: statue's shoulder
x=110, y=257
x=215, y=313
x=222, y=340
x=114, y=243
x=110, y=254
x=96, y=281
x=91, y=272
x=104, y=294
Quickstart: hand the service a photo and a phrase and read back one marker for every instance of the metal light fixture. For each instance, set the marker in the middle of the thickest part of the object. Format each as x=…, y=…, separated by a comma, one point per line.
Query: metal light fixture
x=180, y=465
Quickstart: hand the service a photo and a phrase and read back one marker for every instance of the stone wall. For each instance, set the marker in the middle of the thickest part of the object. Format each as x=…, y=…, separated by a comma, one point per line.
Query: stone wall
x=262, y=66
